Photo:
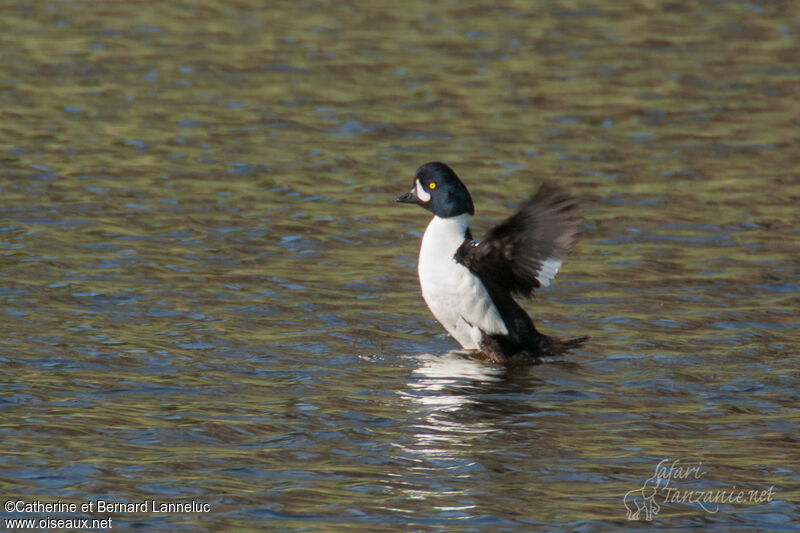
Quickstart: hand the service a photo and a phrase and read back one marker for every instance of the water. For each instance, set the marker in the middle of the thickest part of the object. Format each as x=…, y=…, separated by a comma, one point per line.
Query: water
x=207, y=293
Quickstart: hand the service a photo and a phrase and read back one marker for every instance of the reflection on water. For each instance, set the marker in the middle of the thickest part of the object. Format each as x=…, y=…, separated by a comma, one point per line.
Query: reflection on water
x=207, y=293
x=451, y=386
x=454, y=367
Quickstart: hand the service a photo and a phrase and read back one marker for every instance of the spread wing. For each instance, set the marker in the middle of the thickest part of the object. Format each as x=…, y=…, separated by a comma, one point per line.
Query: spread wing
x=525, y=251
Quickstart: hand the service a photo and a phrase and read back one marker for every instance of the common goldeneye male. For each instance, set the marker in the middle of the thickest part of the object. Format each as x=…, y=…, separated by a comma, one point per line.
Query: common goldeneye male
x=469, y=285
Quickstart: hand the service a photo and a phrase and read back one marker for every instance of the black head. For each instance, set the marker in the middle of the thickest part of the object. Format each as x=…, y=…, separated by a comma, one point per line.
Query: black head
x=438, y=189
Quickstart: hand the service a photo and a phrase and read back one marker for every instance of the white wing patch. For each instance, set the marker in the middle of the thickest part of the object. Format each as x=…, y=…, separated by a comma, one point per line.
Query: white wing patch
x=422, y=194
x=548, y=271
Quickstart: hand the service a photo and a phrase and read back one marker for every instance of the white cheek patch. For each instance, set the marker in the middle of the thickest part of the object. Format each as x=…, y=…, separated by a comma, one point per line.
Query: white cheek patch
x=422, y=194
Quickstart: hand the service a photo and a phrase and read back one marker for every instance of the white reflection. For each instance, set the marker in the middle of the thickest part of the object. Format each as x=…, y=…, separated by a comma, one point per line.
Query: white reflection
x=446, y=390
x=454, y=366
x=448, y=381
x=460, y=405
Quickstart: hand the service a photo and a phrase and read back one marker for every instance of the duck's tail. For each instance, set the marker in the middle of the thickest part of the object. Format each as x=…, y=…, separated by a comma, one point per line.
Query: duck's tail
x=554, y=346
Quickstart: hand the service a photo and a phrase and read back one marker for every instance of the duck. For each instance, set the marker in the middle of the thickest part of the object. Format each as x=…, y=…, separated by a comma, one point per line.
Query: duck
x=471, y=287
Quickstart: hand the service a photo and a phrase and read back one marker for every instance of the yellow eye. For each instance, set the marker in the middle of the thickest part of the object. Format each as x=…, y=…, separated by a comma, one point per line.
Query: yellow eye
x=432, y=185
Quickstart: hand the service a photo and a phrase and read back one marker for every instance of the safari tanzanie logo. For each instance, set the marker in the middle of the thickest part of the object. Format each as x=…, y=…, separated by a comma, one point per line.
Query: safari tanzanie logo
x=676, y=483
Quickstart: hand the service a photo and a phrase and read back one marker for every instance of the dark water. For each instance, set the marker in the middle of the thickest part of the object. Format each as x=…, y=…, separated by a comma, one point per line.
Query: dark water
x=207, y=294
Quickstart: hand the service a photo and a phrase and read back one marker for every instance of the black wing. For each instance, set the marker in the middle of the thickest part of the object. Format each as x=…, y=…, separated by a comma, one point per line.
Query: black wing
x=525, y=251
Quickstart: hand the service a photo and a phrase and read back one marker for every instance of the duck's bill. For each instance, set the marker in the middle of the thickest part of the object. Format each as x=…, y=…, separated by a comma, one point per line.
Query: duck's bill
x=409, y=198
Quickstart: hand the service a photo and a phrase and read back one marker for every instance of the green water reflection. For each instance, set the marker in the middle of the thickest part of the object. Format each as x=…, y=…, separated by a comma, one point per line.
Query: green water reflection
x=207, y=293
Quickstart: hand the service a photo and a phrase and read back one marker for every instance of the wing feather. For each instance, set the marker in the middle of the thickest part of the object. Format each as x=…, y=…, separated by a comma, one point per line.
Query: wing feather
x=526, y=250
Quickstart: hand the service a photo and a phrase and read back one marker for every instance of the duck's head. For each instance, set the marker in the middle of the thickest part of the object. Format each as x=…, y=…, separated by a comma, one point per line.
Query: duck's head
x=438, y=189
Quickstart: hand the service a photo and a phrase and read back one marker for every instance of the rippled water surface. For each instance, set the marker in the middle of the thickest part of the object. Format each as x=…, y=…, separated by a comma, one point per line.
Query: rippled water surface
x=208, y=294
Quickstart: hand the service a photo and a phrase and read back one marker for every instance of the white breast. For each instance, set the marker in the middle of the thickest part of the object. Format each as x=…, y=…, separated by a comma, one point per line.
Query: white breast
x=455, y=296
